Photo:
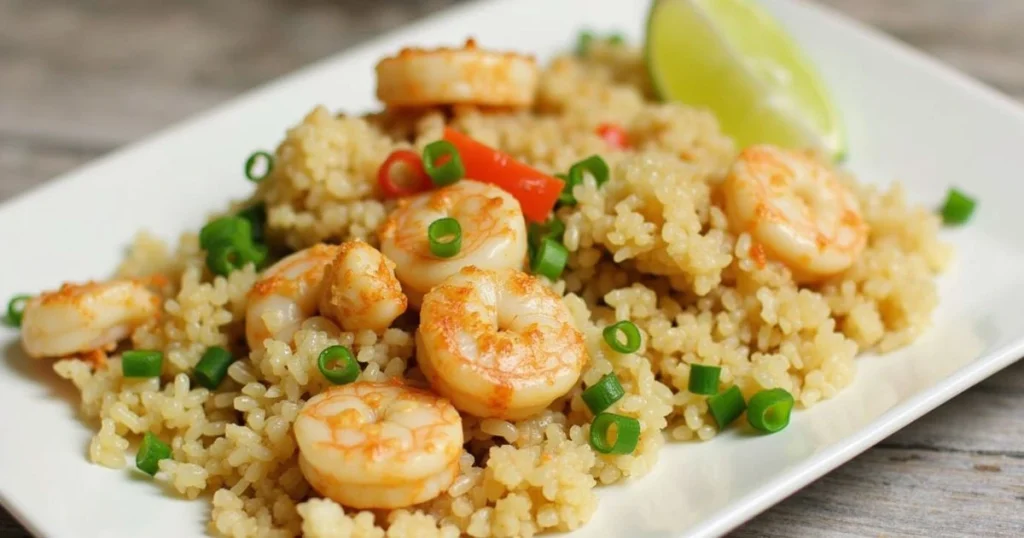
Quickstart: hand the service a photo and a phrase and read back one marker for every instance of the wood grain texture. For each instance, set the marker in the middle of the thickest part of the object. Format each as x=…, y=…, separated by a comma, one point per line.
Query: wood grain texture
x=80, y=78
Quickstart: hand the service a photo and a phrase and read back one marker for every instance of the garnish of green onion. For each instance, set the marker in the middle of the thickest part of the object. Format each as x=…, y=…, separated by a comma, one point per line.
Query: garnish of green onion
x=769, y=410
x=626, y=434
x=338, y=365
x=213, y=367
x=230, y=230
x=444, y=237
x=142, y=363
x=958, y=207
x=151, y=451
x=552, y=229
x=256, y=215
x=594, y=165
x=549, y=260
x=628, y=330
x=704, y=379
x=255, y=159
x=442, y=163
x=566, y=197
x=616, y=39
x=726, y=406
x=225, y=258
x=603, y=394
x=583, y=43
x=16, y=309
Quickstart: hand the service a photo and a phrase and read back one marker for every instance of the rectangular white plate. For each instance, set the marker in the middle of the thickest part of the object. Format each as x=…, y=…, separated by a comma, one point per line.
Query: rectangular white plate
x=909, y=118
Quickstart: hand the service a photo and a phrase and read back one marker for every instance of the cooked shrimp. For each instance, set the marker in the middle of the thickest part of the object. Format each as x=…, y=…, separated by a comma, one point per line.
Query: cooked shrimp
x=379, y=445
x=360, y=289
x=447, y=76
x=797, y=209
x=287, y=295
x=498, y=343
x=493, y=234
x=83, y=318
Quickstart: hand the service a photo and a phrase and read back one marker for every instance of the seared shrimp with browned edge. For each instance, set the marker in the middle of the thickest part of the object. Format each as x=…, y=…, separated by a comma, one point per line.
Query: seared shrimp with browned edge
x=351, y=284
x=499, y=344
x=451, y=76
x=797, y=209
x=493, y=234
x=81, y=318
x=379, y=445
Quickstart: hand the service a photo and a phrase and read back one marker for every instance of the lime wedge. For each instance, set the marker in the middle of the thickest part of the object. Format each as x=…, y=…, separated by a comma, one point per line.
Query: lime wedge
x=735, y=59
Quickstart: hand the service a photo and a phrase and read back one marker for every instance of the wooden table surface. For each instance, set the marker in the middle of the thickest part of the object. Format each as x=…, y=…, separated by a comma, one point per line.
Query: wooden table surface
x=79, y=78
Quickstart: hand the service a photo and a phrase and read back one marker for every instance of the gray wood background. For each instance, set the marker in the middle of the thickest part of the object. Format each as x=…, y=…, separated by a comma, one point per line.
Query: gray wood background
x=79, y=78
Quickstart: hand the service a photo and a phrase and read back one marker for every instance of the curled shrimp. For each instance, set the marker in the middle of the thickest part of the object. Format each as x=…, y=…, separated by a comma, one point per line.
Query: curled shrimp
x=493, y=234
x=448, y=76
x=379, y=445
x=498, y=343
x=287, y=294
x=360, y=289
x=85, y=318
x=468, y=75
x=797, y=209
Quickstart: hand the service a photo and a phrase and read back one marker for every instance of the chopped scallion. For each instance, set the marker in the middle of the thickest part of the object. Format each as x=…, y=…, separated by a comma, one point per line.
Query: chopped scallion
x=549, y=259
x=445, y=237
x=769, y=410
x=958, y=207
x=213, y=367
x=151, y=451
x=626, y=434
x=142, y=363
x=594, y=165
x=603, y=394
x=252, y=162
x=442, y=163
x=628, y=330
x=16, y=309
x=726, y=406
x=338, y=365
x=704, y=379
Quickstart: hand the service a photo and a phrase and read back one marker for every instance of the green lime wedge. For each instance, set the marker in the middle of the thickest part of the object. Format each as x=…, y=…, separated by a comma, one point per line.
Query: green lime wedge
x=735, y=59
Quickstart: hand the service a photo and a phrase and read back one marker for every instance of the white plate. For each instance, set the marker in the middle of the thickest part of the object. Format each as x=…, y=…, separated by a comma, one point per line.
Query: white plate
x=909, y=118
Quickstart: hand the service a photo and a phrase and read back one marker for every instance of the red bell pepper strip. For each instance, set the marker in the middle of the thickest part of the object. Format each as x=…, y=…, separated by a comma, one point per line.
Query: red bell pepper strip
x=536, y=191
x=614, y=135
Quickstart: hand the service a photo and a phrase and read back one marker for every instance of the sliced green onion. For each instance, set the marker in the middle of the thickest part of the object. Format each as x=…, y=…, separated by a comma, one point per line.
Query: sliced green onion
x=726, y=406
x=257, y=216
x=583, y=43
x=16, y=309
x=628, y=330
x=958, y=207
x=566, y=197
x=213, y=367
x=142, y=363
x=253, y=160
x=338, y=365
x=769, y=410
x=595, y=165
x=549, y=260
x=230, y=230
x=704, y=379
x=616, y=39
x=445, y=237
x=603, y=394
x=552, y=229
x=227, y=258
x=447, y=172
x=151, y=451
x=627, y=434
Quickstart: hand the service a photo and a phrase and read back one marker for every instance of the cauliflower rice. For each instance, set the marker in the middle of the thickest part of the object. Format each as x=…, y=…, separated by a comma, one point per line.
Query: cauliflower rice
x=651, y=246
